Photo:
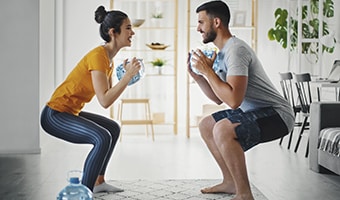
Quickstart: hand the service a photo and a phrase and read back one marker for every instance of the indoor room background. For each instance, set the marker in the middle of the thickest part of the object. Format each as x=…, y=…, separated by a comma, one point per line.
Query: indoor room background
x=66, y=30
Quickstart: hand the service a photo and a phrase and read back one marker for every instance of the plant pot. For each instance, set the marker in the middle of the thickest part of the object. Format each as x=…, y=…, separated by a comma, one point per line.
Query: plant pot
x=160, y=70
x=157, y=22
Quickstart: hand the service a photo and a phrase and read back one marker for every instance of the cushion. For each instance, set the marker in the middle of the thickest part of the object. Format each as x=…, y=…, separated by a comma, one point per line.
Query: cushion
x=329, y=140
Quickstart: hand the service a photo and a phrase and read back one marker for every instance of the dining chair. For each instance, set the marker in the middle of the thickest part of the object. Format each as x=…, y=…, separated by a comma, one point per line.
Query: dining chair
x=302, y=82
x=286, y=82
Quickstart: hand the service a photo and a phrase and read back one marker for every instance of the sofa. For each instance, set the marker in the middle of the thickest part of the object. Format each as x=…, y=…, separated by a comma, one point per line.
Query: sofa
x=324, y=137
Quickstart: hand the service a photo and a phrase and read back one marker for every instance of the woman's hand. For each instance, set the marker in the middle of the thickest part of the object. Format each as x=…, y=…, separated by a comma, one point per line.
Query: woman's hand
x=132, y=68
x=107, y=95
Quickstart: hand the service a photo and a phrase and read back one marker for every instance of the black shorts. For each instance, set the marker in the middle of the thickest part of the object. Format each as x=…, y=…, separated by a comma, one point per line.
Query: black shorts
x=256, y=126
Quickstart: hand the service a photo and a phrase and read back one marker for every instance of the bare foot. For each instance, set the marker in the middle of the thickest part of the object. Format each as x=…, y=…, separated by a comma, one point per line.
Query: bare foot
x=244, y=197
x=220, y=188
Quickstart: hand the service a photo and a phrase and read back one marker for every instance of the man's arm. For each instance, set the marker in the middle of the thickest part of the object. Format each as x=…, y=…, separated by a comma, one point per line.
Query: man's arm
x=231, y=92
x=203, y=84
x=207, y=90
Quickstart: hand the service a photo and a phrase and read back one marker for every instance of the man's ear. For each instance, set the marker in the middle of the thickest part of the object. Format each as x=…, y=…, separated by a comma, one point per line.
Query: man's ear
x=217, y=22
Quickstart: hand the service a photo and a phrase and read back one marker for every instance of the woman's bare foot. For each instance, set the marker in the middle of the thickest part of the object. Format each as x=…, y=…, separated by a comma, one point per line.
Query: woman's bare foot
x=220, y=188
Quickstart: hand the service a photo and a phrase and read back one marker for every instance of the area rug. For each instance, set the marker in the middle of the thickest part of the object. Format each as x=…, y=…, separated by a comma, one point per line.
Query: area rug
x=167, y=190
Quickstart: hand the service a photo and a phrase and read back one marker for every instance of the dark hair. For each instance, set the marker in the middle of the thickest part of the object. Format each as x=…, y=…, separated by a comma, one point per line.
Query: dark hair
x=216, y=9
x=107, y=20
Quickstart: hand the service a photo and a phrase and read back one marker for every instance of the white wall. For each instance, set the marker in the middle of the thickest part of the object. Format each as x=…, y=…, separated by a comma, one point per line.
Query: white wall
x=80, y=33
x=271, y=54
x=19, y=78
x=77, y=33
x=47, y=50
x=67, y=31
x=274, y=58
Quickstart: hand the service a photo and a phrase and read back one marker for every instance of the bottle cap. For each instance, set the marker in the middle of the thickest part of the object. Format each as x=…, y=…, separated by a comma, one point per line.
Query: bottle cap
x=74, y=180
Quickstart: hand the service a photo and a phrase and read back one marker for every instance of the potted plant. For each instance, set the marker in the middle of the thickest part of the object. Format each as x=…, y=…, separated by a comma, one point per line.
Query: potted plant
x=310, y=27
x=157, y=15
x=158, y=63
x=156, y=18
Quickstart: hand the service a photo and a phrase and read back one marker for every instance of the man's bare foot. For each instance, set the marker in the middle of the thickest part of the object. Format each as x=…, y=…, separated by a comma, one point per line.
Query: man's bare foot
x=220, y=188
x=244, y=197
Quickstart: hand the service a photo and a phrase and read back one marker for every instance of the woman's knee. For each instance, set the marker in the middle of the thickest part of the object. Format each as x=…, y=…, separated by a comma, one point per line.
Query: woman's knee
x=104, y=138
x=115, y=131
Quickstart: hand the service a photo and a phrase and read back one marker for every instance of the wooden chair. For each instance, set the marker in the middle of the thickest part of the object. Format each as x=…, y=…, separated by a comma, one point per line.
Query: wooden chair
x=286, y=83
x=305, y=97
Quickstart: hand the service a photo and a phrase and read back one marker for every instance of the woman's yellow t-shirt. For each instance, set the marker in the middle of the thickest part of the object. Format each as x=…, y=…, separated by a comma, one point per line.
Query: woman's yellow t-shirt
x=77, y=89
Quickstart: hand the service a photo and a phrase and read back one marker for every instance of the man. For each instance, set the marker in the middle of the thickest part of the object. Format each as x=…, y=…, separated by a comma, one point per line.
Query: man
x=258, y=112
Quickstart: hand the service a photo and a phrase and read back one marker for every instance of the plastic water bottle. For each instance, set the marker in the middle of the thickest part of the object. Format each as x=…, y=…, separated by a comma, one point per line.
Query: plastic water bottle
x=75, y=190
x=209, y=53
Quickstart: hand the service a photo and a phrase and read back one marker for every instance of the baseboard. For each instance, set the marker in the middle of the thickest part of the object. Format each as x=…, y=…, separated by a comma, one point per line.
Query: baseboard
x=20, y=151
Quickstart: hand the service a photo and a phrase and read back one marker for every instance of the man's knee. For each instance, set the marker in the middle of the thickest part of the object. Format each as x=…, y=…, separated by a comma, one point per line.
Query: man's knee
x=224, y=131
x=206, y=126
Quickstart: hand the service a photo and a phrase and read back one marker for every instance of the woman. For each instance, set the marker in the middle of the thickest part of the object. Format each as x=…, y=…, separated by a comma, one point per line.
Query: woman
x=62, y=116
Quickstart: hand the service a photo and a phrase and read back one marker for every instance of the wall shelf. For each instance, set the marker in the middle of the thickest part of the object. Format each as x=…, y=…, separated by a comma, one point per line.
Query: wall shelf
x=161, y=89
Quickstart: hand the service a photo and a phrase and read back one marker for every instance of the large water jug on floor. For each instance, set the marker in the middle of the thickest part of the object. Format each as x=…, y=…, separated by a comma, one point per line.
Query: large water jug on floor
x=75, y=190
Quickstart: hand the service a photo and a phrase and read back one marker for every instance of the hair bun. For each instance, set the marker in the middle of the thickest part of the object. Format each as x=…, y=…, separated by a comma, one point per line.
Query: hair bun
x=100, y=14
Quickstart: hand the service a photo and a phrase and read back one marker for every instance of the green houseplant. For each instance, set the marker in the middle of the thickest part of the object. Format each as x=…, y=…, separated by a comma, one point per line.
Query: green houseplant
x=157, y=15
x=159, y=63
x=310, y=27
x=156, y=18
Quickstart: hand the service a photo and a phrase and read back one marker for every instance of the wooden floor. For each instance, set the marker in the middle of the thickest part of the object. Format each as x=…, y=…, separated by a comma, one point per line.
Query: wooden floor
x=279, y=173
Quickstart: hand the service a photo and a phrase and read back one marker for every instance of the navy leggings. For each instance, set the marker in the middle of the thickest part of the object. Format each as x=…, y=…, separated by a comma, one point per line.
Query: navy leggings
x=87, y=128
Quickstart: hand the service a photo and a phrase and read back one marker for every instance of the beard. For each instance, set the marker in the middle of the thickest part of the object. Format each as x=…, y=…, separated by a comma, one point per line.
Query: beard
x=210, y=36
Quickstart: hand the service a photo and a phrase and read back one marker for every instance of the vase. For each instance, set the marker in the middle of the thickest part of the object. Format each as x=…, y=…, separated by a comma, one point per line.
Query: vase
x=157, y=22
x=159, y=69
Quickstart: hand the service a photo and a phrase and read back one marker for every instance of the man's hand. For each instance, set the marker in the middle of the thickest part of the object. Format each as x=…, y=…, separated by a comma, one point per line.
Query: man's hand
x=194, y=75
x=202, y=62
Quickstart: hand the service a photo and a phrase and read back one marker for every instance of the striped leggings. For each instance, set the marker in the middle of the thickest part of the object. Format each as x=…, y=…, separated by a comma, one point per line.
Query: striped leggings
x=87, y=128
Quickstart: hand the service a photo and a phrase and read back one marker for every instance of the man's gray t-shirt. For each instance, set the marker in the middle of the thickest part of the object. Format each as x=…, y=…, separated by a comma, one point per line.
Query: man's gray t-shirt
x=238, y=59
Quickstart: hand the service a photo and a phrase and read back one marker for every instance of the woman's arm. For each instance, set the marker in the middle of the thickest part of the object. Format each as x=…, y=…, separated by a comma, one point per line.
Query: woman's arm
x=106, y=94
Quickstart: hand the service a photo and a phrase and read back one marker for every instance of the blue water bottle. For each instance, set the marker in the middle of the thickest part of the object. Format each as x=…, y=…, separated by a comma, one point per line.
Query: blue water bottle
x=75, y=190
